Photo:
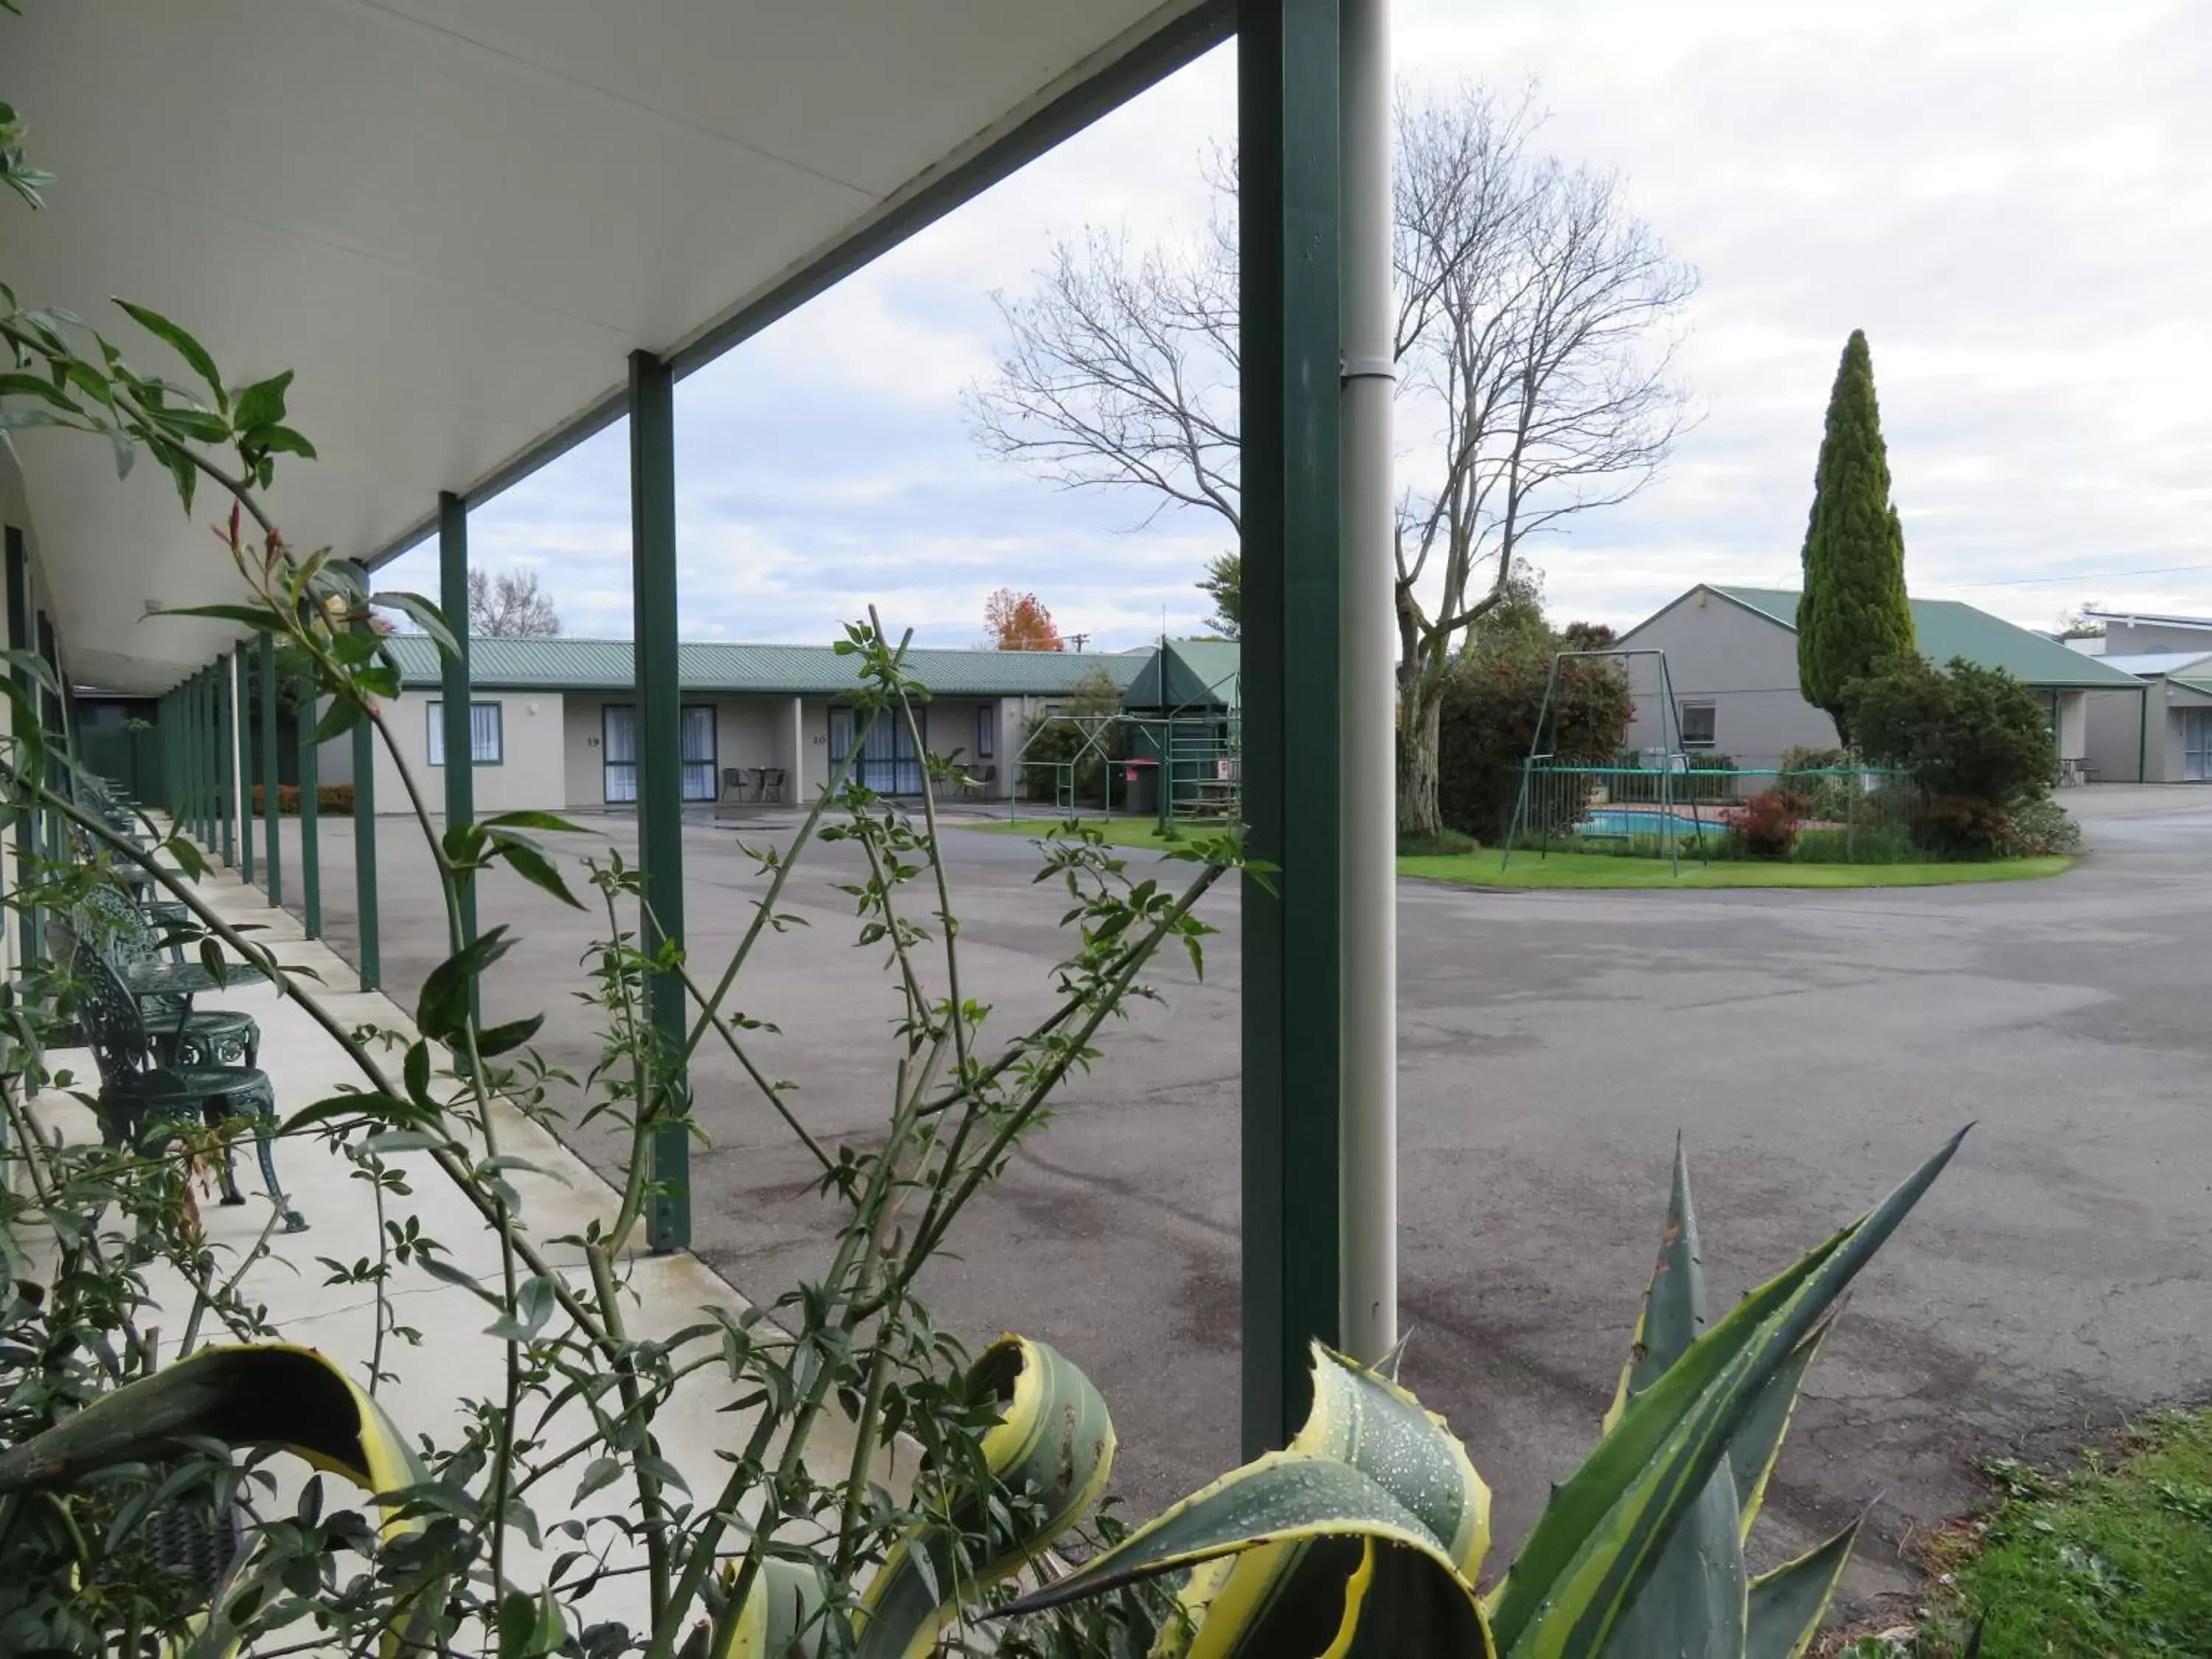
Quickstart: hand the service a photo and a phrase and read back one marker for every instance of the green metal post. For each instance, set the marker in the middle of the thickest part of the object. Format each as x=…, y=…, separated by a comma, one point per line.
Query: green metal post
x=273, y=847
x=210, y=760
x=2142, y=739
x=188, y=818
x=311, y=851
x=19, y=639
x=364, y=853
x=1287, y=232
x=226, y=762
x=460, y=756
x=55, y=715
x=235, y=736
x=660, y=770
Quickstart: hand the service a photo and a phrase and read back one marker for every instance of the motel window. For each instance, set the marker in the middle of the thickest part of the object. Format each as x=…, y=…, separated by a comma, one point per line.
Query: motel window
x=487, y=739
x=695, y=734
x=987, y=732
x=1697, y=724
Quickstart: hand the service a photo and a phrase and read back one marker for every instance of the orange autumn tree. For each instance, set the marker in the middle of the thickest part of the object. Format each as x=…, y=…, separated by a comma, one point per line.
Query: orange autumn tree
x=1016, y=621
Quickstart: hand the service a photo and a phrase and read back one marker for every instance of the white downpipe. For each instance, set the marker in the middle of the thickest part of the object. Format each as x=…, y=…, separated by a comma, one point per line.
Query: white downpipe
x=1367, y=803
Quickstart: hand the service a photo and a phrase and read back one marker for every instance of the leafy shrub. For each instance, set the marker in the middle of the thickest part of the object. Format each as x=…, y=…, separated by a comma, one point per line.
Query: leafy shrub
x=1963, y=826
x=1823, y=783
x=1872, y=843
x=329, y=797
x=1651, y=783
x=2042, y=827
x=1491, y=703
x=1764, y=826
x=1961, y=731
x=1051, y=742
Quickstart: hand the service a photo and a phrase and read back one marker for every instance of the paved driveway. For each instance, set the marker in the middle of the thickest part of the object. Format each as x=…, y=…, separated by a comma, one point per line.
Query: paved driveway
x=1810, y=1048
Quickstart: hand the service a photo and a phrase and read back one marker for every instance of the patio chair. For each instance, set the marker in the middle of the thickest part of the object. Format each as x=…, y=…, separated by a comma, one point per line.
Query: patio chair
x=205, y=1036
x=137, y=1098
x=734, y=783
x=771, y=783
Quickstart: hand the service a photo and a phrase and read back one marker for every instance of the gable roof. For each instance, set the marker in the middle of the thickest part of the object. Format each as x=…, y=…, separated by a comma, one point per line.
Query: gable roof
x=1189, y=673
x=1944, y=628
x=717, y=665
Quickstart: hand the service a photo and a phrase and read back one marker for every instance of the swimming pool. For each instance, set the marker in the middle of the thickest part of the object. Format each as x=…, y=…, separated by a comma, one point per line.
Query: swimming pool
x=1630, y=821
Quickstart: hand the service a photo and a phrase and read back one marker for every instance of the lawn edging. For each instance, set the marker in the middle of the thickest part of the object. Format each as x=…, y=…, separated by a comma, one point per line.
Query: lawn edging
x=1590, y=872
x=1531, y=871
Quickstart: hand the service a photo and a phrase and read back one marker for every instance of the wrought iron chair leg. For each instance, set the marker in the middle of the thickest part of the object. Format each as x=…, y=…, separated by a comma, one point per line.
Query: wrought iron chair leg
x=213, y=1114
x=294, y=1221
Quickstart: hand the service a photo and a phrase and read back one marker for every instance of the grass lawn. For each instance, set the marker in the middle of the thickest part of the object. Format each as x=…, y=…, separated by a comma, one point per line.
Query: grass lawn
x=1480, y=869
x=1118, y=832
x=1604, y=870
x=2112, y=1559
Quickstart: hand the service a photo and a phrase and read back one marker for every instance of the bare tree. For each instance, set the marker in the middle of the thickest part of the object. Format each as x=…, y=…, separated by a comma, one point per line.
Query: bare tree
x=510, y=605
x=1535, y=342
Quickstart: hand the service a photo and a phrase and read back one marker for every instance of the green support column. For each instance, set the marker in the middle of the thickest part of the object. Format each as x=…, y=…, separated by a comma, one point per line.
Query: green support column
x=273, y=847
x=311, y=849
x=233, y=737
x=460, y=751
x=210, y=767
x=364, y=853
x=188, y=814
x=660, y=770
x=1287, y=236
x=19, y=639
x=53, y=713
x=226, y=762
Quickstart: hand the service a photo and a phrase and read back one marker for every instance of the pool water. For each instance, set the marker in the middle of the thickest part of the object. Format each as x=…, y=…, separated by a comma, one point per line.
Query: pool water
x=1623, y=821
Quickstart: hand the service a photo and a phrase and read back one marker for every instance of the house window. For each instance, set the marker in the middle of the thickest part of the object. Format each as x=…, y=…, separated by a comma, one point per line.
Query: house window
x=987, y=732
x=487, y=737
x=888, y=762
x=1697, y=724
x=696, y=735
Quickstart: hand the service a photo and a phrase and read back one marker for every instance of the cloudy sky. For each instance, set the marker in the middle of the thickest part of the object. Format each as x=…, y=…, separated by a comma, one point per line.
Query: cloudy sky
x=2014, y=201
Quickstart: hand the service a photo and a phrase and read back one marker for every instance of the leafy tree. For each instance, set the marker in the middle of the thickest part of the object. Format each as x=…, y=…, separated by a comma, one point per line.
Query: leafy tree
x=1963, y=730
x=1588, y=637
x=1224, y=583
x=1490, y=703
x=1853, y=614
x=510, y=605
x=1016, y=622
x=1534, y=341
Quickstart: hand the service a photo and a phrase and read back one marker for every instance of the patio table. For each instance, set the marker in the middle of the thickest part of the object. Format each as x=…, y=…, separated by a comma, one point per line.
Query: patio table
x=185, y=980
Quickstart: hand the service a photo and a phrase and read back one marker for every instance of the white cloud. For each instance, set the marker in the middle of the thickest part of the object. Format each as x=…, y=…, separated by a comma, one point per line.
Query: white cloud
x=2014, y=200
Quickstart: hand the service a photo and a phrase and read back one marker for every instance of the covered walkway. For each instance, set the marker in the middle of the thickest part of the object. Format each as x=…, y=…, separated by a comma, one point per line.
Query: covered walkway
x=475, y=235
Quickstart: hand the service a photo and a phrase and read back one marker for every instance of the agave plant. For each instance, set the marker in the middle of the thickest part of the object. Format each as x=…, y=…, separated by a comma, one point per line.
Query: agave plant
x=1365, y=1536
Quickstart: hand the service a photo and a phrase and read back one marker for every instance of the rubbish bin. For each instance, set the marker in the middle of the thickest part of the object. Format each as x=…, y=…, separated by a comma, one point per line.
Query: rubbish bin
x=1140, y=785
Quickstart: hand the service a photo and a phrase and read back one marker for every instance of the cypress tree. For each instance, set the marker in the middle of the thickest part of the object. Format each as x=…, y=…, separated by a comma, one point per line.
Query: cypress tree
x=1853, y=614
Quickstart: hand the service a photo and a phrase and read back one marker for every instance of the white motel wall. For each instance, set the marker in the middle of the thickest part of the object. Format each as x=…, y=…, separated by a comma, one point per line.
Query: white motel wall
x=552, y=751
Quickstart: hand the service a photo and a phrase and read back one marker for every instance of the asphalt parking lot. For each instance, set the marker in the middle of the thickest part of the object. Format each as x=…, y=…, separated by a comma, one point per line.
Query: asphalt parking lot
x=1810, y=1047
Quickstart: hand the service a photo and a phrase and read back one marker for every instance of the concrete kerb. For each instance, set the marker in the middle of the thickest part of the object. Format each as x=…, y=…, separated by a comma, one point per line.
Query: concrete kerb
x=456, y=1359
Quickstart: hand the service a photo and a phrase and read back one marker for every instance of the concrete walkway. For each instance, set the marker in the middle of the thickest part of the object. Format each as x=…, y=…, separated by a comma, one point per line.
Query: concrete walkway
x=456, y=1360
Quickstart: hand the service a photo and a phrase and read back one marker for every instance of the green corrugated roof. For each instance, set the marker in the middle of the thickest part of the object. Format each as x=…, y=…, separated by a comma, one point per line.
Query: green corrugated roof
x=713, y=665
x=1944, y=628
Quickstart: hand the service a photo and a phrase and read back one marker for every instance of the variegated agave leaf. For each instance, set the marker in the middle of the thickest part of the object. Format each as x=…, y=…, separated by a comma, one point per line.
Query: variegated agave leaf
x=1371, y=1526
x=1052, y=1449
x=1600, y=1538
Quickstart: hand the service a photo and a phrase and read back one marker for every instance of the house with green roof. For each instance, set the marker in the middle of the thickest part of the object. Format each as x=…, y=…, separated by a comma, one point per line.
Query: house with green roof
x=1731, y=656
x=553, y=724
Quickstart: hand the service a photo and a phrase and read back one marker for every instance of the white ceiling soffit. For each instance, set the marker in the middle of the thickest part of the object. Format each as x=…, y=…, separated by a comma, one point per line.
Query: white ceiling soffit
x=454, y=219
